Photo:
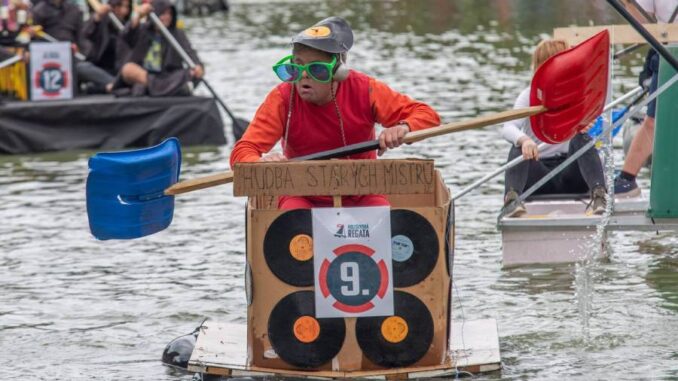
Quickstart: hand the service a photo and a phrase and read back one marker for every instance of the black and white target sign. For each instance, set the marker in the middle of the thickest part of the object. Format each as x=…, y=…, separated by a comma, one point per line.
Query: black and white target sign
x=352, y=262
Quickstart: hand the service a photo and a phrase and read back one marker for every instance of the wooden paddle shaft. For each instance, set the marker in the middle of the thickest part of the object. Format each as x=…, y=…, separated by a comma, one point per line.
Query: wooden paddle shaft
x=200, y=183
x=483, y=121
x=50, y=38
x=10, y=61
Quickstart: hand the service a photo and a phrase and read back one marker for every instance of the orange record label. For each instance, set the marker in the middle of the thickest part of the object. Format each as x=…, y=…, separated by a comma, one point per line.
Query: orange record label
x=394, y=329
x=318, y=31
x=301, y=247
x=306, y=329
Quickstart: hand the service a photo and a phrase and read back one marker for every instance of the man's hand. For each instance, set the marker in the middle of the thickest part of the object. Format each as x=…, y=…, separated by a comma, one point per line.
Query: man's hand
x=392, y=137
x=197, y=72
x=275, y=156
x=140, y=12
x=586, y=129
x=529, y=148
x=144, y=10
x=101, y=12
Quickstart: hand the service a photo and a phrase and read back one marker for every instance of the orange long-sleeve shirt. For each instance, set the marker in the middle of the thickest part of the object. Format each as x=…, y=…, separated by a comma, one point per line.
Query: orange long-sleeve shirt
x=389, y=108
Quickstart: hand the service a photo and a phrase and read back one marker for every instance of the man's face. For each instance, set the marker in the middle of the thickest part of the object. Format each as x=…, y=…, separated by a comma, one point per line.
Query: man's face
x=121, y=11
x=166, y=17
x=309, y=89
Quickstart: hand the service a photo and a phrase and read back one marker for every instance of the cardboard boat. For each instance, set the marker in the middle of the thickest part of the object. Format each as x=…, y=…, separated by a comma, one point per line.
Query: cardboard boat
x=283, y=336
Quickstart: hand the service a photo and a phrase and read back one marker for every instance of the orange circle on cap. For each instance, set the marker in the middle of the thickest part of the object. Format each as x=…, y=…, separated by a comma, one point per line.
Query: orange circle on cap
x=318, y=31
x=301, y=247
x=394, y=329
x=306, y=329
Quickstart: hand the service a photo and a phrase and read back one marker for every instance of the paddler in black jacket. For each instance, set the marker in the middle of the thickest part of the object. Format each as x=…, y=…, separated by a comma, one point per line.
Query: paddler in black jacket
x=63, y=21
x=106, y=49
x=60, y=19
x=154, y=67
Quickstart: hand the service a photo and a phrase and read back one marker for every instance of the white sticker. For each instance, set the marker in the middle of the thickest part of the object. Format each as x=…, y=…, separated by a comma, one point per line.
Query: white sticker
x=402, y=248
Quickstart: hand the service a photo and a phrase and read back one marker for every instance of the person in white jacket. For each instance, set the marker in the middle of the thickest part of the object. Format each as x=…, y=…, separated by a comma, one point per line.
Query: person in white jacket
x=582, y=176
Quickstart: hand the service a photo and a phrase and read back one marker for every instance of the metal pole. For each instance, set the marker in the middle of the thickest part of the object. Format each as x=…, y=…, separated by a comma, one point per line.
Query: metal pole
x=171, y=40
x=49, y=38
x=10, y=61
x=116, y=21
x=626, y=51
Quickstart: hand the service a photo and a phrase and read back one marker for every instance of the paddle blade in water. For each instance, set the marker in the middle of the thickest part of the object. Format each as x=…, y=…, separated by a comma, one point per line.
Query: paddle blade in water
x=125, y=197
x=572, y=85
x=239, y=127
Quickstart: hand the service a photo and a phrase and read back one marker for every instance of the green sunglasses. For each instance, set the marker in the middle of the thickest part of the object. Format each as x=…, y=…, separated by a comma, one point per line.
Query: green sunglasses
x=291, y=72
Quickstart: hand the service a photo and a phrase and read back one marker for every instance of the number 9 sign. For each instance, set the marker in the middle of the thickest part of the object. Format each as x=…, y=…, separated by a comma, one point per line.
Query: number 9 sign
x=352, y=262
x=353, y=278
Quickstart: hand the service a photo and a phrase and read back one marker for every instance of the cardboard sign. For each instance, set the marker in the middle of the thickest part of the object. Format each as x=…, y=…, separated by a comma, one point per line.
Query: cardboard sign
x=51, y=68
x=352, y=262
x=334, y=177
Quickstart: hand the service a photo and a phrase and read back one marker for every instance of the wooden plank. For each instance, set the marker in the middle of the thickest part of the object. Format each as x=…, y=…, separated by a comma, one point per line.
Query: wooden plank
x=221, y=349
x=356, y=374
x=334, y=177
x=619, y=34
x=220, y=345
x=475, y=345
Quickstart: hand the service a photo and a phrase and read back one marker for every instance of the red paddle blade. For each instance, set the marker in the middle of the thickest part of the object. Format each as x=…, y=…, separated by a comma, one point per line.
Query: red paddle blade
x=572, y=85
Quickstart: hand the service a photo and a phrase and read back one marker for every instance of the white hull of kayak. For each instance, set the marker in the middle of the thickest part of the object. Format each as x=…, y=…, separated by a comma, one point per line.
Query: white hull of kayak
x=561, y=232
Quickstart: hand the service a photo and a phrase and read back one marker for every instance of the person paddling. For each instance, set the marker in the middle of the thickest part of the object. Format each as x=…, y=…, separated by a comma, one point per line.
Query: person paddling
x=62, y=20
x=106, y=50
x=322, y=105
x=153, y=67
x=586, y=174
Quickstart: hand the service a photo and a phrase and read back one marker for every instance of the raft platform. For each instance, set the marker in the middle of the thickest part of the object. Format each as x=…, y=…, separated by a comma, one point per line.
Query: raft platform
x=221, y=349
x=559, y=231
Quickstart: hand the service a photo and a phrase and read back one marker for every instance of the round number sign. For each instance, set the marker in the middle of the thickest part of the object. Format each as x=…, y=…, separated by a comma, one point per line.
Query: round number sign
x=353, y=278
x=51, y=79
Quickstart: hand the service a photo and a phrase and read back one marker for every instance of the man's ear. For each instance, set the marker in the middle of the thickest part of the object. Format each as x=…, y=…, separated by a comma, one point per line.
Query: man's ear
x=341, y=71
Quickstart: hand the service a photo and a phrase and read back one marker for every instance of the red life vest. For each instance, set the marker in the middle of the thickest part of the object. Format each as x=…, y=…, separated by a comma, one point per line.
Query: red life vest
x=316, y=128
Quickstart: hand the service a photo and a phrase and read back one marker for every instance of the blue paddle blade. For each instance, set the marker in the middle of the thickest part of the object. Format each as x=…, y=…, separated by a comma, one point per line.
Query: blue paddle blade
x=125, y=196
x=597, y=128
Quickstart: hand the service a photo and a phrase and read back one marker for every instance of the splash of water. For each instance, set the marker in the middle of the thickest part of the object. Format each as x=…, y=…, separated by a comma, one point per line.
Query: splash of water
x=586, y=268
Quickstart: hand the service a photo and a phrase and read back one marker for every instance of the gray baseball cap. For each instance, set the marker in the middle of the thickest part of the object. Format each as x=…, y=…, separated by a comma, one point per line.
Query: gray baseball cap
x=332, y=35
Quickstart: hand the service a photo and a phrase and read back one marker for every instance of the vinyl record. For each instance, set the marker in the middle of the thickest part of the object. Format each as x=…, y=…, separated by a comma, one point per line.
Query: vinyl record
x=288, y=247
x=400, y=340
x=414, y=244
x=298, y=337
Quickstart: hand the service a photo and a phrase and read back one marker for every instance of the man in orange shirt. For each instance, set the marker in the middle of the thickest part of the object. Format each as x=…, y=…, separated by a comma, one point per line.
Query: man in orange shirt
x=323, y=105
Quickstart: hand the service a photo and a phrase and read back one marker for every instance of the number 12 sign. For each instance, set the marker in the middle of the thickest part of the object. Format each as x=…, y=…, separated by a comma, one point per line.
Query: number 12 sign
x=51, y=71
x=352, y=262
